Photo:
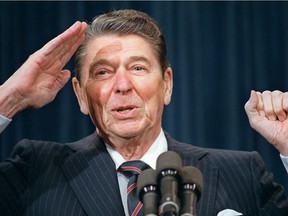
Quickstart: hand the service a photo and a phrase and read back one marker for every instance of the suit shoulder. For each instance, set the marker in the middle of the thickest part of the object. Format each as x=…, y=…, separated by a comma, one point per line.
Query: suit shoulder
x=26, y=146
x=215, y=157
x=207, y=153
x=41, y=148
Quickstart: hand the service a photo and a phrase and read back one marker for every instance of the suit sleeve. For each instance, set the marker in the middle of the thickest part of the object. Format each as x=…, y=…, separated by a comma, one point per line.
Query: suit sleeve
x=14, y=175
x=270, y=196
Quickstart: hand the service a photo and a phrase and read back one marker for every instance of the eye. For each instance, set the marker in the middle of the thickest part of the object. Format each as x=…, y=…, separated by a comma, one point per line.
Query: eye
x=102, y=74
x=139, y=70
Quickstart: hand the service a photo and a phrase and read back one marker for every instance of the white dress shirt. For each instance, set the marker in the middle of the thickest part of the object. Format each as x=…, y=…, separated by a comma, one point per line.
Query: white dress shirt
x=4, y=122
x=150, y=157
x=285, y=162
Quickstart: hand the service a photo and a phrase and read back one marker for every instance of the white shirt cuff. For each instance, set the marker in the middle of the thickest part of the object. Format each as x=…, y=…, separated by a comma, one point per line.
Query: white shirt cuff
x=285, y=161
x=4, y=122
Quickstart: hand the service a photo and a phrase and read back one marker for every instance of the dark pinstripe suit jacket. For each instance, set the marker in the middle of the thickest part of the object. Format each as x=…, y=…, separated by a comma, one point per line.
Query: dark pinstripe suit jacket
x=45, y=178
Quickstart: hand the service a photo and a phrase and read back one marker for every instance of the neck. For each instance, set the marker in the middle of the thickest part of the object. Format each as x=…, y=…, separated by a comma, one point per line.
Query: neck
x=132, y=148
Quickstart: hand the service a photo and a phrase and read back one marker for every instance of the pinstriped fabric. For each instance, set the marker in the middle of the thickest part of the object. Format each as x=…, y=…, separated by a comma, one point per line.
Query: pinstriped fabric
x=267, y=190
x=233, y=179
x=233, y=188
x=45, y=179
x=131, y=169
x=82, y=190
x=94, y=169
x=49, y=193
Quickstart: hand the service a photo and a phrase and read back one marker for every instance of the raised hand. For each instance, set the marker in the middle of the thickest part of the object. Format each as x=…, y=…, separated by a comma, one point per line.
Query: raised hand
x=40, y=78
x=267, y=114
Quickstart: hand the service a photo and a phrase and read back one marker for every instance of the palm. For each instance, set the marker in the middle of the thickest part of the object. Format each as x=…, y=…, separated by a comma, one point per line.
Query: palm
x=40, y=78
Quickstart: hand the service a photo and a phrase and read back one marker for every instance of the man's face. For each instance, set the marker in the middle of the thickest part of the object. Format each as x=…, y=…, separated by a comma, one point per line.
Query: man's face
x=122, y=87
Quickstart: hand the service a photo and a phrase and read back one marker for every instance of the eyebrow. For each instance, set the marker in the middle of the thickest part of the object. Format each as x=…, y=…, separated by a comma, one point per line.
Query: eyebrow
x=139, y=58
x=107, y=62
x=94, y=64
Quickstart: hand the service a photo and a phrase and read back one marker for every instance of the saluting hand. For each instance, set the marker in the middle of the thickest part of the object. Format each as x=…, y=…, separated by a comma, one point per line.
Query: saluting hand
x=40, y=78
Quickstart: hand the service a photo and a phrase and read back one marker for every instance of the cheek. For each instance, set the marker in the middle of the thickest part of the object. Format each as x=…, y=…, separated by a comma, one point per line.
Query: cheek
x=153, y=96
x=96, y=98
x=92, y=91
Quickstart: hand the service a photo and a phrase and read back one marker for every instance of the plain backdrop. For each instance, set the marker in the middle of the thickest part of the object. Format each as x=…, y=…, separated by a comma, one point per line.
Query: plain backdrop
x=219, y=51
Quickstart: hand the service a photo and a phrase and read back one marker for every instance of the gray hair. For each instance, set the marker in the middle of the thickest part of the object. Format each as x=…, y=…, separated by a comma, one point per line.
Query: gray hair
x=124, y=22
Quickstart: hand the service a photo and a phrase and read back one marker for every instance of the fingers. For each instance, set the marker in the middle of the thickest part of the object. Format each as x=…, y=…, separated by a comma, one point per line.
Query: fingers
x=254, y=105
x=273, y=105
x=252, y=109
x=285, y=101
x=61, y=48
x=260, y=105
x=68, y=37
x=251, y=105
x=277, y=103
x=70, y=40
x=71, y=49
x=62, y=79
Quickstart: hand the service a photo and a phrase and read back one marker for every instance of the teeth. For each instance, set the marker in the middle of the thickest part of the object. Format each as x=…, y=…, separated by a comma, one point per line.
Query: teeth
x=124, y=110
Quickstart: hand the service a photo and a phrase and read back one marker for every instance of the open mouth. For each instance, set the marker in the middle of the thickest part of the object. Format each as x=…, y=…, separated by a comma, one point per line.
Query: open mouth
x=124, y=109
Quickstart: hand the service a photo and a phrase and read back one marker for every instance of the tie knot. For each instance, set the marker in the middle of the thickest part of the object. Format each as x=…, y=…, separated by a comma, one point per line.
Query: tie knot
x=131, y=168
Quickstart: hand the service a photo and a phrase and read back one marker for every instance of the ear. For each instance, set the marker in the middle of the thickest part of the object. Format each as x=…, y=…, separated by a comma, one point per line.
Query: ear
x=81, y=96
x=168, y=85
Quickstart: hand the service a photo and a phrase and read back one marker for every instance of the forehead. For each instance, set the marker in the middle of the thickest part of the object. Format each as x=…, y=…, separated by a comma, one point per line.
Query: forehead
x=110, y=46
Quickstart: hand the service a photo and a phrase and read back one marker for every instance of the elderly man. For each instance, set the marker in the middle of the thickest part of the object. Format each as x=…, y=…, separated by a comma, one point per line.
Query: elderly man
x=123, y=81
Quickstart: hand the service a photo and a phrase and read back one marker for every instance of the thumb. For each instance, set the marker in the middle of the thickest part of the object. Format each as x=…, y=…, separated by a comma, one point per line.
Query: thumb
x=62, y=79
x=252, y=104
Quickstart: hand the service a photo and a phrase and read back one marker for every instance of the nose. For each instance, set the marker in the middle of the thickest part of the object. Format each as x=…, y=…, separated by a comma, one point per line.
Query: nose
x=123, y=82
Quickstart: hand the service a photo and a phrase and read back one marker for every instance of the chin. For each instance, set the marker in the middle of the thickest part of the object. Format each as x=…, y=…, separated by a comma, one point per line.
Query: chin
x=131, y=129
x=128, y=132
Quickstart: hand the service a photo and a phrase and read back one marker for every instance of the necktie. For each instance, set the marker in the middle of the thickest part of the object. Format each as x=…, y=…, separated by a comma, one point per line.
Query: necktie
x=131, y=169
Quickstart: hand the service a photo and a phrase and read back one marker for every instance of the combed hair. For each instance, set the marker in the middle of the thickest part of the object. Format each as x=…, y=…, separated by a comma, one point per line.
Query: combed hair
x=124, y=22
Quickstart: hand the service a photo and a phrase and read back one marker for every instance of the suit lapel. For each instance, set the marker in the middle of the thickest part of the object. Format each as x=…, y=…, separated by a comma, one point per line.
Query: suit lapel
x=194, y=156
x=91, y=174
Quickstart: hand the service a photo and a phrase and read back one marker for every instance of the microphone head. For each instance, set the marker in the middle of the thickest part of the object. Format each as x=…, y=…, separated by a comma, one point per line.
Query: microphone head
x=168, y=160
x=146, y=178
x=192, y=175
x=168, y=167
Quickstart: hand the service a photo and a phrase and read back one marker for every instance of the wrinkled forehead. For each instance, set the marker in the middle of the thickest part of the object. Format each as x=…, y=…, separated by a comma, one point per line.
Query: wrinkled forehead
x=107, y=46
x=110, y=43
x=116, y=41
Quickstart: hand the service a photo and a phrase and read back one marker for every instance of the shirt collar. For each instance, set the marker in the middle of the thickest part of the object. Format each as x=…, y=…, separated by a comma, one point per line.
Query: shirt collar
x=150, y=157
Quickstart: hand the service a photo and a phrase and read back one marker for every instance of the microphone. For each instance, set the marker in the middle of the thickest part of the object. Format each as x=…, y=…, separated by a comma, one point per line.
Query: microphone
x=168, y=167
x=192, y=187
x=147, y=191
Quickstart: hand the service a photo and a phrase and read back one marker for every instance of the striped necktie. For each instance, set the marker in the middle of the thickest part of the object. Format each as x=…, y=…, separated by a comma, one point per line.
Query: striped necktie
x=131, y=169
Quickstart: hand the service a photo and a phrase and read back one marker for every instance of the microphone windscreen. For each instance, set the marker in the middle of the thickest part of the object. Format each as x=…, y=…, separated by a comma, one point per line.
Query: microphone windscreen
x=168, y=160
x=191, y=174
x=146, y=178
